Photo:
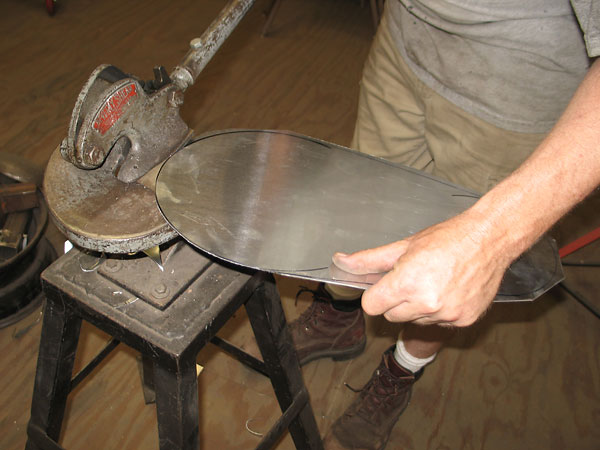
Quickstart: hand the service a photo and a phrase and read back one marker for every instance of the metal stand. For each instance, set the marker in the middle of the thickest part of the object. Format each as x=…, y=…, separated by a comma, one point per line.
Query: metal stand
x=168, y=317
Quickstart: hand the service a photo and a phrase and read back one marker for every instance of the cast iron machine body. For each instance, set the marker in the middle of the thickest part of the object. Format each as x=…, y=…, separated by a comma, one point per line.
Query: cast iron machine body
x=121, y=129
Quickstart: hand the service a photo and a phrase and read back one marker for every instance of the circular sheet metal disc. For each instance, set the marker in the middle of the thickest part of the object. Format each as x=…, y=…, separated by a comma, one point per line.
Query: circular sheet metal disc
x=284, y=203
x=281, y=202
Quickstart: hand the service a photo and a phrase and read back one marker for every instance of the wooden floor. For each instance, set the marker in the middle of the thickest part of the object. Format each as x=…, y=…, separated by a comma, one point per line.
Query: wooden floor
x=525, y=377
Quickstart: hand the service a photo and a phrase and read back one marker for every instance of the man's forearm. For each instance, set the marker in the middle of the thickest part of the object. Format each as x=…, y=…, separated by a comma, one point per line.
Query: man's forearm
x=561, y=172
x=450, y=272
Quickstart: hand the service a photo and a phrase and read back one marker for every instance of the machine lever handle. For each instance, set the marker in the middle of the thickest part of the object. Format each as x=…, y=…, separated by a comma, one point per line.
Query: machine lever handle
x=202, y=49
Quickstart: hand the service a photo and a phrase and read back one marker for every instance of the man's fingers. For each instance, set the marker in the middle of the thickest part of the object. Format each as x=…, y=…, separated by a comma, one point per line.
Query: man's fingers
x=407, y=309
x=374, y=260
x=399, y=299
x=388, y=293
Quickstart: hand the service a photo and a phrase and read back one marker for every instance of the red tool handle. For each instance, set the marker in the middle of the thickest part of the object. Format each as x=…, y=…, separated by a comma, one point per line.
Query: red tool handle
x=578, y=243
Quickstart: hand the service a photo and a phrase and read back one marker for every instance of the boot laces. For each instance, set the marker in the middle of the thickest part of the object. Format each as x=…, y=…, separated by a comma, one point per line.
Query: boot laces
x=309, y=314
x=316, y=294
x=379, y=397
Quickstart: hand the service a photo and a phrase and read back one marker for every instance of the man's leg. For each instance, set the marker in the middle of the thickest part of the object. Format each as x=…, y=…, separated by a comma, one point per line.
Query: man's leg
x=469, y=151
x=424, y=342
x=390, y=120
x=449, y=143
x=390, y=125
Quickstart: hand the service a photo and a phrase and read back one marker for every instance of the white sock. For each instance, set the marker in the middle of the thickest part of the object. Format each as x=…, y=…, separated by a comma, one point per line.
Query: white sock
x=343, y=292
x=409, y=361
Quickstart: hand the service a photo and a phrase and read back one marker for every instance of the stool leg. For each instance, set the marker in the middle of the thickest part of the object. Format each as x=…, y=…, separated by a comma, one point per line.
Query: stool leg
x=146, y=366
x=58, y=344
x=270, y=12
x=177, y=406
x=275, y=342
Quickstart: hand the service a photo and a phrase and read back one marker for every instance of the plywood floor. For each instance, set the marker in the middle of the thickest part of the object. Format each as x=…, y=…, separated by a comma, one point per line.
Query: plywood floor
x=526, y=377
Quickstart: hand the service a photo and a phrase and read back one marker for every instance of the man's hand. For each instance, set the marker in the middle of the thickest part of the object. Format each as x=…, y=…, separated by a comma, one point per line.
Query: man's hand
x=446, y=274
x=449, y=273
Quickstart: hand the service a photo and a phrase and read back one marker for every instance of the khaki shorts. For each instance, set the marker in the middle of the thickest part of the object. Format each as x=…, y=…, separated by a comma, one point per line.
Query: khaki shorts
x=402, y=120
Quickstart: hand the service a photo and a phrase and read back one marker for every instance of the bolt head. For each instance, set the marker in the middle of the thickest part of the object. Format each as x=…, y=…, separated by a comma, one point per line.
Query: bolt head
x=112, y=265
x=94, y=156
x=160, y=291
x=196, y=43
x=175, y=99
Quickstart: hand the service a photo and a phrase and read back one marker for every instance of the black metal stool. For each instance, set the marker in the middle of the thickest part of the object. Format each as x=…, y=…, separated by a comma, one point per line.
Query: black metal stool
x=168, y=316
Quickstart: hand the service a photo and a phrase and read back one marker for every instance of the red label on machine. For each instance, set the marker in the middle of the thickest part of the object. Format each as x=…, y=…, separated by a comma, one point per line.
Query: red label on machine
x=114, y=108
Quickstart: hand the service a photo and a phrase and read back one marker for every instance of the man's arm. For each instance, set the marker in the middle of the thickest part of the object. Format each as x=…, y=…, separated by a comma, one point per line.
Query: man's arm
x=450, y=273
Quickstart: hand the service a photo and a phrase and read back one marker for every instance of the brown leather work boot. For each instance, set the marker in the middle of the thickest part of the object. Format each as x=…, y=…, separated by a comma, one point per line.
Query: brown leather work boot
x=322, y=331
x=368, y=421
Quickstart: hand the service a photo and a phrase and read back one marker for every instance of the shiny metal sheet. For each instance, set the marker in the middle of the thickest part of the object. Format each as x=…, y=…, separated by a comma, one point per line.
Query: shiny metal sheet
x=284, y=203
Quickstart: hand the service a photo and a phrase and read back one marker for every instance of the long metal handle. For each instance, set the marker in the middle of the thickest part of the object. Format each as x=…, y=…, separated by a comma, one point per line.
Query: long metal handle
x=202, y=49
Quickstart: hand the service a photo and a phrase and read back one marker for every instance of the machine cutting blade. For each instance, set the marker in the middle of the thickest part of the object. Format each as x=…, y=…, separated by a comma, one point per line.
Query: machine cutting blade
x=154, y=254
x=284, y=203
